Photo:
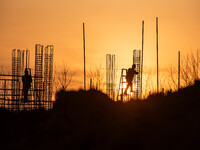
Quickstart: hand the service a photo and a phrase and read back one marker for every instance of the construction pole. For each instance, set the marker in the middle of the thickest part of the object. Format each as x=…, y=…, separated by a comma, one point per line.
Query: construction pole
x=197, y=65
x=178, y=70
x=157, y=53
x=142, y=53
x=84, y=56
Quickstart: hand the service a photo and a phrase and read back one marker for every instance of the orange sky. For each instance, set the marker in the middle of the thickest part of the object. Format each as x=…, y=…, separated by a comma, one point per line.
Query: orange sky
x=112, y=26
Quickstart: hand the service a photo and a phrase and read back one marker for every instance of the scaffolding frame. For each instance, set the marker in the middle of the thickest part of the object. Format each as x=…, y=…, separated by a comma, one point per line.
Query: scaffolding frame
x=11, y=86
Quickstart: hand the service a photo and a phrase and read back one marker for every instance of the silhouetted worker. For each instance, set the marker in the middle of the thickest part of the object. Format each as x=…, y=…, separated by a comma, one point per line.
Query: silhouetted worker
x=129, y=78
x=27, y=80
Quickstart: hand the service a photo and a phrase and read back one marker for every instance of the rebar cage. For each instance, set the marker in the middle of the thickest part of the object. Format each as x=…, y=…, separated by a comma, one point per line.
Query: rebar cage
x=137, y=79
x=110, y=75
x=39, y=94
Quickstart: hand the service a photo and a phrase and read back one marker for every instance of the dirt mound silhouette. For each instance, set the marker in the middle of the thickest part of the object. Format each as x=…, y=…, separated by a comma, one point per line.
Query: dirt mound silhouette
x=90, y=120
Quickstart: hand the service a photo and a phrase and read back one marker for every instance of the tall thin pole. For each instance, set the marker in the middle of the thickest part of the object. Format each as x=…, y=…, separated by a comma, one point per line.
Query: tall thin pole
x=142, y=53
x=157, y=52
x=197, y=65
x=84, y=56
x=178, y=69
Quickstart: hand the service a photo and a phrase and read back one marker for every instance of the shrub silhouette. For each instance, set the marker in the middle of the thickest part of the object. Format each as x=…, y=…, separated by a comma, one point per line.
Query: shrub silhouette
x=90, y=120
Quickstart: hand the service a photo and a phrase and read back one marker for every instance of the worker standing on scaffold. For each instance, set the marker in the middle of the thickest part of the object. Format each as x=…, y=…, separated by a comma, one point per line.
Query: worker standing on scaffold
x=27, y=80
x=129, y=78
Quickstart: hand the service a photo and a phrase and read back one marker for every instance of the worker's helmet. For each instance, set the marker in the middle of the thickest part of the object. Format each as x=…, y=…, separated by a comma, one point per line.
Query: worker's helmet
x=26, y=71
x=133, y=66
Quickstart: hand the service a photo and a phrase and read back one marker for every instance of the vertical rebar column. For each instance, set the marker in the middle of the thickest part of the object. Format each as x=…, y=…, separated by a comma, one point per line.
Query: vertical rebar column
x=108, y=70
x=38, y=82
x=178, y=70
x=30, y=92
x=51, y=75
x=14, y=73
x=157, y=53
x=27, y=58
x=110, y=75
x=22, y=62
x=113, y=77
x=137, y=78
x=48, y=75
x=22, y=73
x=15, y=82
x=142, y=53
x=18, y=79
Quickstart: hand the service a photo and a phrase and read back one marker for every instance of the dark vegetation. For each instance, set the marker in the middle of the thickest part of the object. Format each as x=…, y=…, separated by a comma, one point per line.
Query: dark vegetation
x=90, y=120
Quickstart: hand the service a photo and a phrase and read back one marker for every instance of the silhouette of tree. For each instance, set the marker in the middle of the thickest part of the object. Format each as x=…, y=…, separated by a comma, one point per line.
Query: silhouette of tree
x=148, y=82
x=172, y=80
x=63, y=77
x=97, y=77
x=188, y=71
x=162, y=80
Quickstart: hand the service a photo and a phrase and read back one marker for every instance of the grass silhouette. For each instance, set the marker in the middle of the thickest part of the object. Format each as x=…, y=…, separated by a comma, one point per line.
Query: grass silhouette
x=90, y=120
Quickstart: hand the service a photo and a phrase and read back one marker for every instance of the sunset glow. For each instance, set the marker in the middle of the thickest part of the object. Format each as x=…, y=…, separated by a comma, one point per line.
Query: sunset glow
x=112, y=27
x=100, y=74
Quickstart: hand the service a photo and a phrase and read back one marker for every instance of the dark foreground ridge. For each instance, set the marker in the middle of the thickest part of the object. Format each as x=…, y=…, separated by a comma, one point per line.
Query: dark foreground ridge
x=90, y=120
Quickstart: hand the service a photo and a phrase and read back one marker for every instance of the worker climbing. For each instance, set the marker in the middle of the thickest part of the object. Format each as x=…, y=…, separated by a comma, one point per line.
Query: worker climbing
x=27, y=80
x=129, y=78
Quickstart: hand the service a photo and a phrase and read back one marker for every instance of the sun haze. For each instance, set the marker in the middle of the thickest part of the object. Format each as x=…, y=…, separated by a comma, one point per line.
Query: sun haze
x=112, y=27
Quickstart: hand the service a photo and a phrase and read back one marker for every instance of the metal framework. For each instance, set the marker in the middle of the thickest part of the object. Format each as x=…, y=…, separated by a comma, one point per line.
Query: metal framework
x=39, y=94
x=38, y=82
x=16, y=63
x=110, y=76
x=137, y=79
x=122, y=85
x=48, y=75
x=11, y=86
x=136, y=93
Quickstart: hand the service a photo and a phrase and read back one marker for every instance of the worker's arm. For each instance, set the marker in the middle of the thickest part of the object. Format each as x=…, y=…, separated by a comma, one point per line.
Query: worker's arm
x=135, y=72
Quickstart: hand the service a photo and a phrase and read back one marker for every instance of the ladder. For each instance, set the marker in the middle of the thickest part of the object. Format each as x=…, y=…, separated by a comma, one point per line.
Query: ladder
x=121, y=96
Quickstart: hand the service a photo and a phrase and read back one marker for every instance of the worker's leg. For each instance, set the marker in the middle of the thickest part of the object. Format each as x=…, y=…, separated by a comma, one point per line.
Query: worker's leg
x=131, y=84
x=25, y=95
x=125, y=92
